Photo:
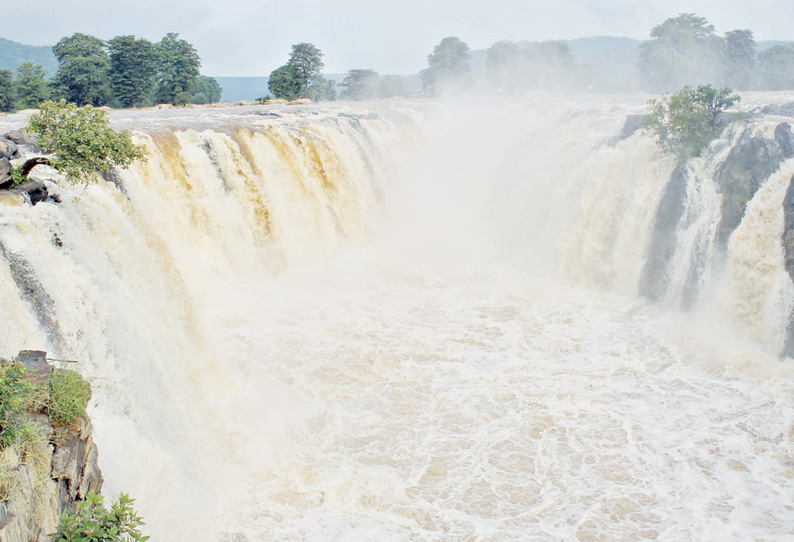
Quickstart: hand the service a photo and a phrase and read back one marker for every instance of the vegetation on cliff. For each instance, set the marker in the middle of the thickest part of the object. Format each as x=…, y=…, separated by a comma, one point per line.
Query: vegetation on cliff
x=83, y=142
x=686, y=122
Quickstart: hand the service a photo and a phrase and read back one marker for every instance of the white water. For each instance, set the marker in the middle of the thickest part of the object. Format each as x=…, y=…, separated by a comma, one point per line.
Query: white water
x=420, y=326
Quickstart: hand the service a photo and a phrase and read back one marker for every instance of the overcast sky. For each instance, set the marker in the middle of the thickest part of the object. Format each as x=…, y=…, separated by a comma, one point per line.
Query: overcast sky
x=253, y=37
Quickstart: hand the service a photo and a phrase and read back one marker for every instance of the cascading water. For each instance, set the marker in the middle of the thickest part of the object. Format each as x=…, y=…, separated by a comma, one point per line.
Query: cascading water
x=420, y=322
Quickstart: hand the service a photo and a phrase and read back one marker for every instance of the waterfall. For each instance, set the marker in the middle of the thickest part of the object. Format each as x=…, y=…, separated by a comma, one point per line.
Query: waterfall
x=421, y=320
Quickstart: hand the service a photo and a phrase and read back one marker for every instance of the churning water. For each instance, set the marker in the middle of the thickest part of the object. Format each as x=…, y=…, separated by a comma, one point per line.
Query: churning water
x=417, y=322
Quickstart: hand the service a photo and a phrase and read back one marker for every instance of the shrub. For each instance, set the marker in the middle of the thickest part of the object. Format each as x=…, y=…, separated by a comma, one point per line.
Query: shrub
x=92, y=522
x=687, y=121
x=68, y=397
x=82, y=140
x=16, y=396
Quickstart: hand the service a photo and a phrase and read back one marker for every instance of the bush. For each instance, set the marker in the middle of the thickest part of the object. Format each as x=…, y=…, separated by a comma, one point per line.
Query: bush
x=92, y=522
x=16, y=397
x=68, y=397
x=82, y=140
x=686, y=122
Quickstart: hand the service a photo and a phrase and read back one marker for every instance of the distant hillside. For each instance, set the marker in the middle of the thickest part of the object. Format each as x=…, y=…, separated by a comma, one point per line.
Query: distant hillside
x=12, y=54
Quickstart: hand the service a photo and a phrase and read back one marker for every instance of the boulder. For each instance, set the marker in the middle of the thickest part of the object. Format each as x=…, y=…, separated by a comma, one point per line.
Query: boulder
x=784, y=110
x=35, y=190
x=5, y=174
x=7, y=148
x=21, y=137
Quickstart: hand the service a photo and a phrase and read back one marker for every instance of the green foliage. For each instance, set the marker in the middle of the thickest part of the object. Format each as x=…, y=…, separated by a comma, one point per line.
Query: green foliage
x=82, y=76
x=92, y=522
x=361, y=85
x=447, y=67
x=133, y=67
x=16, y=397
x=82, y=140
x=206, y=90
x=302, y=71
x=68, y=397
x=687, y=121
x=30, y=86
x=683, y=50
x=264, y=100
x=178, y=69
x=776, y=68
x=17, y=176
x=321, y=89
x=740, y=53
x=6, y=90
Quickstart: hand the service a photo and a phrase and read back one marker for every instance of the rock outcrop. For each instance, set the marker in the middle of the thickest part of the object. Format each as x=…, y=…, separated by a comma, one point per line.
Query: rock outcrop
x=49, y=480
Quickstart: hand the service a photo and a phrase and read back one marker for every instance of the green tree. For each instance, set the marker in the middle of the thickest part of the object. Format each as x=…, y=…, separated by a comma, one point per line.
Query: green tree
x=82, y=75
x=133, y=66
x=448, y=67
x=683, y=51
x=6, y=90
x=301, y=71
x=740, y=54
x=503, y=66
x=282, y=84
x=361, y=85
x=30, y=86
x=206, y=90
x=687, y=121
x=179, y=65
x=83, y=142
x=321, y=89
x=776, y=68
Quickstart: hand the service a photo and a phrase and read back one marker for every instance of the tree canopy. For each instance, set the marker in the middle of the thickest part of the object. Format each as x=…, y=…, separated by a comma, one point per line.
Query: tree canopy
x=82, y=140
x=30, y=86
x=206, y=90
x=83, y=74
x=448, y=67
x=687, y=121
x=6, y=90
x=133, y=66
x=178, y=69
x=361, y=85
x=300, y=77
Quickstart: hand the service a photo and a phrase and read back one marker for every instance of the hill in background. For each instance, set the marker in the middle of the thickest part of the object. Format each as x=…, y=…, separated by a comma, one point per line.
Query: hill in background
x=12, y=54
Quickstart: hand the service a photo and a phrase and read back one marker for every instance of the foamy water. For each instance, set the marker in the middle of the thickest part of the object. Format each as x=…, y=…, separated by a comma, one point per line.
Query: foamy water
x=422, y=324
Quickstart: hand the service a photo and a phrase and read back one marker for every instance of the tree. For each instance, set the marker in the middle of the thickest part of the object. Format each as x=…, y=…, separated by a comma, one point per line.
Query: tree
x=686, y=122
x=321, y=89
x=133, y=66
x=206, y=90
x=6, y=90
x=30, y=86
x=301, y=71
x=683, y=51
x=776, y=68
x=92, y=522
x=82, y=140
x=361, y=85
x=740, y=53
x=503, y=66
x=447, y=67
x=82, y=75
x=391, y=86
x=282, y=84
x=179, y=65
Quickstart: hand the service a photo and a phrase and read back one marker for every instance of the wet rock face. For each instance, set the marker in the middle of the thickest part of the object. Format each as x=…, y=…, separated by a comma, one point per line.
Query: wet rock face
x=788, y=250
x=748, y=165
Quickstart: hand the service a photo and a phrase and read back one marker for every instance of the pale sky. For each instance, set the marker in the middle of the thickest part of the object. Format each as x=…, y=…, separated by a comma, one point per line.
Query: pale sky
x=253, y=37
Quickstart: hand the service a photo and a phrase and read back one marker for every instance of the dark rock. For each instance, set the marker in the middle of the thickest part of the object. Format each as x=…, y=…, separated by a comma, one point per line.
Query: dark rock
x=55, y=198
x=7, y=148
x=33, y=162
x=653, y=283
x=35, y=190
x=21, y=137
x=788, y=251
x=784, y=110
x=632, y=124
x=5, y=174
x=746, y=167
